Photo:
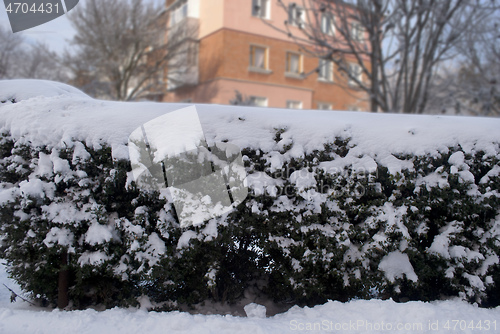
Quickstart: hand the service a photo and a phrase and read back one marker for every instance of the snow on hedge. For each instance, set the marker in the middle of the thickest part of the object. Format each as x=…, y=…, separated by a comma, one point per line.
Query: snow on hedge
x=343, y=205
x=54, y=114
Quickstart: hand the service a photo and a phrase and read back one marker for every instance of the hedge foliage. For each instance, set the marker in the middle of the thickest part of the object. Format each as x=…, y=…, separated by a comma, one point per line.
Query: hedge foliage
x=306, y=234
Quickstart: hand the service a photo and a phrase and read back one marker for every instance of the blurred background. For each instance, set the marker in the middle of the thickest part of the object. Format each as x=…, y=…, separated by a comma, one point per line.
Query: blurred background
x=432, y=57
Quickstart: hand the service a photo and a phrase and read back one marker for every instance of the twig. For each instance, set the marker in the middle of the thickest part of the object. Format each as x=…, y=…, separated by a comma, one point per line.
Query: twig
x=15, y=295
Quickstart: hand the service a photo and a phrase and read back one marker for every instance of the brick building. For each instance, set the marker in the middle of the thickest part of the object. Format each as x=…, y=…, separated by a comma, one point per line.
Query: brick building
x=236, y=50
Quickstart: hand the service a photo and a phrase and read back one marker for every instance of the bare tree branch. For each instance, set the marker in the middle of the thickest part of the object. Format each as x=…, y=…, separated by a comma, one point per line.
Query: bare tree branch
x=472, y=86
x=122, y=49
x=399, y=45
x=18, y=59
x=10, y=50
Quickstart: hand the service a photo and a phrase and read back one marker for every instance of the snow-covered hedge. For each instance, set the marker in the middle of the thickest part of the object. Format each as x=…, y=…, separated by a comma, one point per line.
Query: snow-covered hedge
x=341, y=206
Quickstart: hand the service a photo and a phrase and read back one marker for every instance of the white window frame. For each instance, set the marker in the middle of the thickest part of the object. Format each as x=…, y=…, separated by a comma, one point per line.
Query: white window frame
x=252, y=64
x=294, y=18
x=327, y=24
x=357, y=31
x=325, y=72
x=289, y=54
x=324, y=106
x=294, y=104
x=257, y=6
x=356, y=71
x=192, y=53
x=253, y=101
x=178, y=14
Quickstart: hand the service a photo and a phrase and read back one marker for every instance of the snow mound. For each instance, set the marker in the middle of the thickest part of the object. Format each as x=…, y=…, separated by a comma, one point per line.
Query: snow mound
x=57, y=115
x=24, y=89
x=359, y=316
x=253, y=310
x=374, y=316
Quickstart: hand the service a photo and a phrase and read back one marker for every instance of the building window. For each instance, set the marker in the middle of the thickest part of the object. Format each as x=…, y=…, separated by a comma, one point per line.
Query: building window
x=258, y=57
x=324, y=106
x=294, y=104
x=178, y=14
x=258, y=101
x=296, y=15
x=357, y=31
x=327, y=24
x=355, y=74
x=325, y=70
x=353, y=108
x=293, y=63
x=191, y=53
x=261, y=8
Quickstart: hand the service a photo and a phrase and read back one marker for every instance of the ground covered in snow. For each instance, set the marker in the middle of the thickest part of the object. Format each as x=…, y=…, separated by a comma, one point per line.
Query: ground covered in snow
x=373, y=316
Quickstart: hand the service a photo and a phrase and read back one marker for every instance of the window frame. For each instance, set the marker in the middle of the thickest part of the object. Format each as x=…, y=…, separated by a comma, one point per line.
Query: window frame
x=300, y=71
x=300, y=104
x=357, y=31
x=331, y=25
x=358, y=74
x=254, y=98
x=181, y=9
x=257, y=6
x=293, y=8
x=329, y=106
x=193, y=50
x=331, y=66
x=252, y=66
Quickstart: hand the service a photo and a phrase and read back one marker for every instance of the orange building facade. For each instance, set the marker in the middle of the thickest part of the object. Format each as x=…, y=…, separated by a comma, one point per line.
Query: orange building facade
x=239, y=50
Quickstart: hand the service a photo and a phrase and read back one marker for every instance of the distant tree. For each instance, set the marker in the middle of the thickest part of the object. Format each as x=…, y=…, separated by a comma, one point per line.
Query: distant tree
x=39, y=62
x=390, y=49
x=472, y=87
x=241, y=100
x=19, y=59
x=122, y=49
x=10, y=48
x=478, y=89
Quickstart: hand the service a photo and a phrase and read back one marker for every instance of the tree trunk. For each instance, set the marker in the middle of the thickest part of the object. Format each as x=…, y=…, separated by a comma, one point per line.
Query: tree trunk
x=63, y=283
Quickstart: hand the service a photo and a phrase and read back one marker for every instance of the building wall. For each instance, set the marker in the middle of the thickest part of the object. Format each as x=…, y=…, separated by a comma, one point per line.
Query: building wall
x=222, y=90
x=238, y=16
x=211, y=16
x=227, y=30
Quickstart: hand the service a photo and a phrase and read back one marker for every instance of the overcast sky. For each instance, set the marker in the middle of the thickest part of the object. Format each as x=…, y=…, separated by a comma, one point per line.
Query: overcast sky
x=56, y=33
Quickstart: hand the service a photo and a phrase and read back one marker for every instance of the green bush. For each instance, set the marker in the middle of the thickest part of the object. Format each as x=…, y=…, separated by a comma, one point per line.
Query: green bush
x=311, y=234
